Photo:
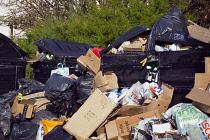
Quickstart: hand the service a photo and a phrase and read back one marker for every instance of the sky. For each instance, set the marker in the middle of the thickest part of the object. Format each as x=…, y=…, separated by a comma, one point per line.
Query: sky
x=4, y=29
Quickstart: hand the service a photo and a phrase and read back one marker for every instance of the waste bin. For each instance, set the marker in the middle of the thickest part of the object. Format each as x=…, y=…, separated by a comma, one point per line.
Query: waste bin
x=12, y=64
x=65, y=52
x=42, y=69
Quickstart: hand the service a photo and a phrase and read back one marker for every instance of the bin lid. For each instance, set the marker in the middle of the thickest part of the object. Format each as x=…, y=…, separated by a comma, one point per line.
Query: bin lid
x=137, y=30
x=10, y=50
x=61, y=48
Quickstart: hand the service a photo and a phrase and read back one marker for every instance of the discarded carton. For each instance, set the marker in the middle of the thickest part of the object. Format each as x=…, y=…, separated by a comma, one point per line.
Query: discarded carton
x=161, y=104
x=200, y=99
x=199, y=33
x=90, y=115
x=25, y=107
x=207, y=65
x=41, y=100
x=105, y=83
x=90, y=62
x=201, y=80
x=122, y=127
x=136, y=46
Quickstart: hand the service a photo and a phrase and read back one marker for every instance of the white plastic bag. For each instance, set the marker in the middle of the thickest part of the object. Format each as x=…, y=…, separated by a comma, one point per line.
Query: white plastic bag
x=61, y=70
x=40, y=132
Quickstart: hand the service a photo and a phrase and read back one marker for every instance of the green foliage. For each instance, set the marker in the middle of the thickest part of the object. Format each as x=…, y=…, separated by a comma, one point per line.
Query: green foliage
x=102, y=24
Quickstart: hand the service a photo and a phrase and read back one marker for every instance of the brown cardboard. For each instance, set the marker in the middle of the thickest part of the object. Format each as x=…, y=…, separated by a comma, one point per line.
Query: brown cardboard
x=199, y=33
x=92, y=61
x=106, y=82
x=200, y=99
x=207, y=65
x=25, y=107
x=122, y=127
x=161, y=104
x=41, y=100
x=202, y=80
x=136, y=46
x=90, y=115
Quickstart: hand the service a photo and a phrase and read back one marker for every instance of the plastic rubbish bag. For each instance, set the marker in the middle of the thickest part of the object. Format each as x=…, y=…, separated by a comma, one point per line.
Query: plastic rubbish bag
x=29, y=87
x=6, y=113
x=59, y=87
x=171, y=21
x=58, y=133
x=186, y=117
x=23, y=129
x=61, y=70
x=84, y=87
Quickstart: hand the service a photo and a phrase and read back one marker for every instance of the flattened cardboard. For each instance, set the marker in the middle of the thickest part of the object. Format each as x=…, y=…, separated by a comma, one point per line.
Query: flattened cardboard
x=200, y=99
x=202, y=80
x=207, y=65
x=123, y=126
x=41, y=100
x=90, y=115
x=25, y=107
x=199, y=33
x=105, y=83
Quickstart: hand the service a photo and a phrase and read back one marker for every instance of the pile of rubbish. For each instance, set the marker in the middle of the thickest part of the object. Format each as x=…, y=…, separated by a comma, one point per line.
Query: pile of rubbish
x=129, y=90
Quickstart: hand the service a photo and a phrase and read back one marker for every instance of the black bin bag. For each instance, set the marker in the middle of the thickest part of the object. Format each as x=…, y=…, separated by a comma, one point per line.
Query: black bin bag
x=61, y=91
x=59, y=87
x=58, y=133
x=23, y=129
x=170, y=28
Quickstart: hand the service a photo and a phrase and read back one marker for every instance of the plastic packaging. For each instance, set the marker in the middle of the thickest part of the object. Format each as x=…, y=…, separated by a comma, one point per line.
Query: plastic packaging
x=40, y=132
x=49, y=125
x=186, y=116
x=133, y=97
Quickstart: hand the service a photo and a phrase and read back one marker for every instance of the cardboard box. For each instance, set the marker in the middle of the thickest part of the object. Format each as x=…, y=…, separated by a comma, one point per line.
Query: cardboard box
x=161, y=104
x=90, y=62
x=201, y=80
x=90, y=115
x=25, y=107
x=199, y=33
x=41, y=100
x=106, y=82
x=122, y=127
x=200, y=99
x=136, y=46
x=207, y=65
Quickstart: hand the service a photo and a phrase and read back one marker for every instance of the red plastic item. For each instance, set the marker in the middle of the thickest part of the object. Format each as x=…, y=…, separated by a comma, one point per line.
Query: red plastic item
x=96, y=51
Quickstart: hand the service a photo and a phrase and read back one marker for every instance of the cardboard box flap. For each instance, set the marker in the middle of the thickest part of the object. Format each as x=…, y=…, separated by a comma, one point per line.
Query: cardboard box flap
x=198, y=32
x=92, y=61
x=199, y=95
x=167, y=93
x=136, y=46
x=105, y=83
x=90, y=115
x=201, y=80
x=28, y=102
x=129, y=110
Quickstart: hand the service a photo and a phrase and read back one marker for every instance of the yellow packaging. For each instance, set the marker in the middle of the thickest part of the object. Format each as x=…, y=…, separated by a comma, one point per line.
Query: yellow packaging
x=49, y=125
